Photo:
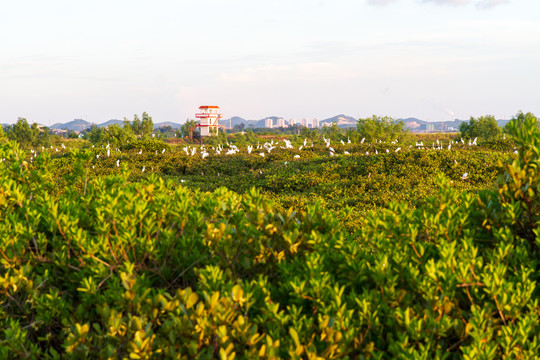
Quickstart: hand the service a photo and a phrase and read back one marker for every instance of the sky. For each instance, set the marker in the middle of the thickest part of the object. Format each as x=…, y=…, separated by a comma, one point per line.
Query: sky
x=430, y=59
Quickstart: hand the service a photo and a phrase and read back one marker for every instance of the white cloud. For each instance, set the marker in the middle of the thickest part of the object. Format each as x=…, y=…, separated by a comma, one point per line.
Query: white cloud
x=487, y=4
x=449, y=2
x=281, y=74
x=380, y=2
x=482, y=4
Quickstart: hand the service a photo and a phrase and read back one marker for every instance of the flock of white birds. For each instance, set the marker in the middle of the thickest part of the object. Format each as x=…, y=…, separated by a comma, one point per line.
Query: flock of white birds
x=267, y=148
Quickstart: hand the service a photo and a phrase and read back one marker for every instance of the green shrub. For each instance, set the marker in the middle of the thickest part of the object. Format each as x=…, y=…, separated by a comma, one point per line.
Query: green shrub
x=120, y=269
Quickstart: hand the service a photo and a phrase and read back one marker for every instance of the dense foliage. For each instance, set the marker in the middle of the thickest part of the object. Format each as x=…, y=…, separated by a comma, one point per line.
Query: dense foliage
x=382, y=128
x=124, y=265
x=28, y=135
x=138, y=128
x=484, y=126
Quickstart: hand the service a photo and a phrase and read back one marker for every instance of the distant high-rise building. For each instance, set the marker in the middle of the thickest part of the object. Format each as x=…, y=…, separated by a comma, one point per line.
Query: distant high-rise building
x=292, y=122
x=280, y=123
x=268, y=123
x=315, y=123
x=304, y=122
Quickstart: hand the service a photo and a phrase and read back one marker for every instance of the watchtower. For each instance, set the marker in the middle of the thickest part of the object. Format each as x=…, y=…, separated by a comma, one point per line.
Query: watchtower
x=208, y=118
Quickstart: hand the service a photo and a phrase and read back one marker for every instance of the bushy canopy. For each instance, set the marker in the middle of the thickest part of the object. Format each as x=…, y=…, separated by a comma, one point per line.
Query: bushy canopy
x=484, y=127
x=380, y=128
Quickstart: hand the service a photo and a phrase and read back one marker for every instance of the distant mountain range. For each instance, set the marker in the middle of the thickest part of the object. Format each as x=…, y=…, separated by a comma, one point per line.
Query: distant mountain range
x=80, y=125
x=342, y=120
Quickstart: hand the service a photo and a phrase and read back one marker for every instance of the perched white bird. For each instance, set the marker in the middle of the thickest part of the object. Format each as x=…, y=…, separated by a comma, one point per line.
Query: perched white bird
x=331, y=149
x=261, y=154
x=140, y=152
x=204, y=154
x=398, y=149
x=387, y=150
x=63, y=146
x=305, y=141
x=163, y=151
x=97, y=156
x=297, y=156
x=301, y=147
x=108, y=152
x=117, y=163
x=342, y=142
x=249, y=149
x=464, y=176
x=143, y=168
x=474, y=142
x=363, y=139
x=346, y=153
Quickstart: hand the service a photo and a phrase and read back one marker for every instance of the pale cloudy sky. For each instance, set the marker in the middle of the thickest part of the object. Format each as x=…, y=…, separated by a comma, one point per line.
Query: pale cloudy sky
x=99, y=60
